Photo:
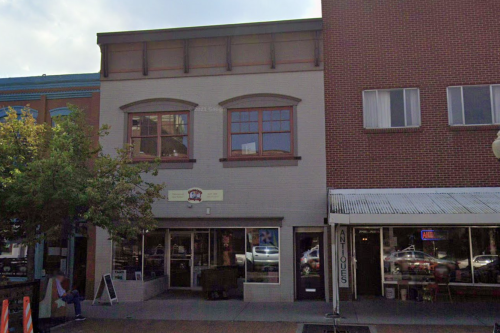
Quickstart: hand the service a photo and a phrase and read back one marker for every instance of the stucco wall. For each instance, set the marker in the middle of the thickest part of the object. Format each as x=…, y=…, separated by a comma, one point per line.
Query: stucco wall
x=295, y=192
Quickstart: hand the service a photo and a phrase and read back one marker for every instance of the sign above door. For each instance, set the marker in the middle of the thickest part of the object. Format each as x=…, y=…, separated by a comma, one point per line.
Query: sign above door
x=195, y=195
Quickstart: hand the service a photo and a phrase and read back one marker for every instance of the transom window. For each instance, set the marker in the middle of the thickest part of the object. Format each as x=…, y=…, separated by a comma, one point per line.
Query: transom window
x=260, y=132
x=163, y=134
x=474, y=105
x=391, y=108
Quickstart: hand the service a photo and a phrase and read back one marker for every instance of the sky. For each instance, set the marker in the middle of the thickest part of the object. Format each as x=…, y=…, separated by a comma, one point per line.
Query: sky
x=59, y=36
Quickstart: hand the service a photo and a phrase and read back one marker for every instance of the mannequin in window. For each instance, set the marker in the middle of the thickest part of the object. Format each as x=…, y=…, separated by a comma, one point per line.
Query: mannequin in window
x=227, y=249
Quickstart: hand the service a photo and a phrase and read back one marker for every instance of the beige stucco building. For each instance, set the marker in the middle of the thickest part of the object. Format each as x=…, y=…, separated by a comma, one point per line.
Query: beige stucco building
x=236, y=113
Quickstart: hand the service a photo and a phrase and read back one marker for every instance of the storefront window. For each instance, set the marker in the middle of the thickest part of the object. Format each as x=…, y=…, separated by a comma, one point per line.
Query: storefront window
x=13, y=260
x=55, y=256
x=154, y=254
x=127, y=259
x=485, y=251
x=427, y=254
x=263, y=255
x=228, y=249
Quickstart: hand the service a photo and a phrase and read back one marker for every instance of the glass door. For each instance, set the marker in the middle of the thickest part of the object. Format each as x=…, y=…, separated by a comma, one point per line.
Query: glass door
x=180, y=260
x=200, y=256
x=310, y=265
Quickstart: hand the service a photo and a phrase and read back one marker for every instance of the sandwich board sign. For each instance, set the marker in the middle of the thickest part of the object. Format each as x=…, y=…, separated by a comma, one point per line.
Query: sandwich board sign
x=108, y=286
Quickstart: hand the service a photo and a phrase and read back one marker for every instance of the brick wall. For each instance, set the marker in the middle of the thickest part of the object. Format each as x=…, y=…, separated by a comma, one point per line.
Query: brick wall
x=430, y=45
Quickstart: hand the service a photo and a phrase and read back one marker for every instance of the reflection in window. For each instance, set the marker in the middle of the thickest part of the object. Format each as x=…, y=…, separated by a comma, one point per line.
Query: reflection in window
x=485, y=251
x=127, y=259
x=427, y=254
x=154, y=254
x=263, y=255
x=474, y=105
x=228, y=249
x=163, y=135
x=260, y=132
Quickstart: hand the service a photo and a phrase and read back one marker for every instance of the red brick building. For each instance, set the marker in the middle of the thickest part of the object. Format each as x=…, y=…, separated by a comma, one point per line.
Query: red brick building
x=47, y=97
x=412, y=101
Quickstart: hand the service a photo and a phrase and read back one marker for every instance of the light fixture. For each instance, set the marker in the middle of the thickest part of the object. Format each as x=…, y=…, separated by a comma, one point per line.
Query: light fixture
x=496, y=146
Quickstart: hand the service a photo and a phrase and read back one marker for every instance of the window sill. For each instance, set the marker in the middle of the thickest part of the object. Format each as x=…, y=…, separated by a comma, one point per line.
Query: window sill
x=274, y=161
x=392, y=130
x=184, y=163
x=488, y=127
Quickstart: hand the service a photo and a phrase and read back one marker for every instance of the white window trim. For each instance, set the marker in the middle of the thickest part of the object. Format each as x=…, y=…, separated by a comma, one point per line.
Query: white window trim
x=450, y=114
x=404, y=102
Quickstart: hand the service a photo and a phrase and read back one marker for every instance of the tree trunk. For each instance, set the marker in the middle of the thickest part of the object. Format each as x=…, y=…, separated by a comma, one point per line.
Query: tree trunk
x=31, y=262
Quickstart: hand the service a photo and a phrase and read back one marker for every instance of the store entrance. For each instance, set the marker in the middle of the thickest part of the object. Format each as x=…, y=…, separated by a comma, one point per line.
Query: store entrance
x=368, y=271
x=188, y=258
x=309, y=265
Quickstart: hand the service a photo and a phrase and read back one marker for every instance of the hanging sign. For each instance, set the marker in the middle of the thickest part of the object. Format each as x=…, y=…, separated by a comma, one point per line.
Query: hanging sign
x=343, y=266
x=433, y=235
x=108, y=286
x=195, y=195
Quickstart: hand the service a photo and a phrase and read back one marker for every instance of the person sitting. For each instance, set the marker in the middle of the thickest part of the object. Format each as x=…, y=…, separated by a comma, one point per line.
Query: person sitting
x=69, y=297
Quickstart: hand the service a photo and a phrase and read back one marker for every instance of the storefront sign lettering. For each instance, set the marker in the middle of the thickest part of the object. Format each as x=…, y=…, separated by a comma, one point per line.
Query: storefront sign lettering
x=195, y=195
x=343, y=266
x=433, y=235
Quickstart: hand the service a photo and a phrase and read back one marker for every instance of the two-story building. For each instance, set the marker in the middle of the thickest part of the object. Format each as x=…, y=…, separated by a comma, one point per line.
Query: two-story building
x=412, y=100
x=46, y=97
x=236, y=115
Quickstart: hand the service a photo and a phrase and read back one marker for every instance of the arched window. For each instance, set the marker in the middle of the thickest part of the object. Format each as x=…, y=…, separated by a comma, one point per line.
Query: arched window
x=64, y=111
x=18, y=109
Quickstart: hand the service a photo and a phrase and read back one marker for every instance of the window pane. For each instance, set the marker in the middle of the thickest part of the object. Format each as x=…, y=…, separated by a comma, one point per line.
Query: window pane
x=254, y=127
x=244, y=144
x=154, y=255
x=127, y=259
x=263, y=255
x=477, y=105
x=144, y=125
x=455, y=100
x=266, y=126
x=254, y=116
x=485, y=251
x=496, y=103
x=235, y=128
x=235, y=116
x=427, y=254
x=228, y=249
x=276, y=115
x=285, y=114
x=370, y=109
x=174, y=124
x=245, y=116
x=266, y=115
x=285, y=125
x=397, y=108
x=275, y=126
x=174, y=146
x=276, y=143
x=144, y=147
x=245, y=127
x=412, y=107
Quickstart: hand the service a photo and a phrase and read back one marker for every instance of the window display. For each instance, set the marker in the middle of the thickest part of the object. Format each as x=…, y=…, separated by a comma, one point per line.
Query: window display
x=154, y=254
x=426, y=254
x=228, y=249
x=127, y=259
x=263, y=255
x=485, y=251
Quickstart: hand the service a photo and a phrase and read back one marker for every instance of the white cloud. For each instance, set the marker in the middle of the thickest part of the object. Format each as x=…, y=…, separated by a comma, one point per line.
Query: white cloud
x=59, y=36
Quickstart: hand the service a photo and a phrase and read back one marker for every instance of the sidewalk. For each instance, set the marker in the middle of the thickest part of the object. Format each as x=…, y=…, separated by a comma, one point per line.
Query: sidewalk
x=368, y=312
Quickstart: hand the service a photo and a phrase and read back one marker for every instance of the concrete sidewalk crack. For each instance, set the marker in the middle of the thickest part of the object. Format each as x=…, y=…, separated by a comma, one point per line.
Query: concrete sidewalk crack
x=239, y=313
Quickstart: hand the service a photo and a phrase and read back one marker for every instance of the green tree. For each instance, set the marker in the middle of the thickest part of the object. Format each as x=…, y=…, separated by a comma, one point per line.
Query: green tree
x=53, y=176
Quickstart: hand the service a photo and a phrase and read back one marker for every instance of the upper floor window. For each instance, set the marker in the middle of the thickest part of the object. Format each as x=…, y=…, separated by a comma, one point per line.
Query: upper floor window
x=160, y=134
x=59, y=113
x=474, y=105
x=260, y=132
x=19, y=111
x=391, y=108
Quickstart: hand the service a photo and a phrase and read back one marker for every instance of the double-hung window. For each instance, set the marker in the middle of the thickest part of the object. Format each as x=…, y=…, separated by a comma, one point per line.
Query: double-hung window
x=260, y=132
x=474, y=105
x=163, y=135
x=391, y=108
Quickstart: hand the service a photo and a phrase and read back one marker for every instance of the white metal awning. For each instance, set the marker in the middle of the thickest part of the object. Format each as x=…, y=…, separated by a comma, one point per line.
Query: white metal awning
x=421, y=206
